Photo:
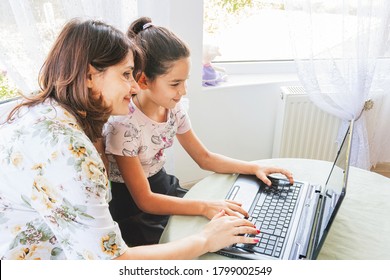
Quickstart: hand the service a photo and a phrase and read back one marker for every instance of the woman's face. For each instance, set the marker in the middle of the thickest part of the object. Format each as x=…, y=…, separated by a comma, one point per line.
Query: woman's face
x=116, y=84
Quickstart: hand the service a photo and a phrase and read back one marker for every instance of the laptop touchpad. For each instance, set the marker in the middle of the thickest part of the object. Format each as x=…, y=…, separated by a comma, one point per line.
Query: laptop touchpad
x=244, y=190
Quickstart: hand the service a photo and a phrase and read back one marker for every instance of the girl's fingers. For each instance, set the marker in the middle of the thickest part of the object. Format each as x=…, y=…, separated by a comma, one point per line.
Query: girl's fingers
x=285, y=172
x=236, y=206
x=233, y=202
x=237, y=211
x=263, y=177
x=233, y=213
x=219, y=214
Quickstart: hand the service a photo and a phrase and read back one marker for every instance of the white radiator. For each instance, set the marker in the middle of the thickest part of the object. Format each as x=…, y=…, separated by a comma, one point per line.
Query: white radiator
x=302, y=129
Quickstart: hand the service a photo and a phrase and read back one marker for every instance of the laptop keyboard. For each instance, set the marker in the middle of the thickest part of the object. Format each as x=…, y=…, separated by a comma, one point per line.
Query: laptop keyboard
x=272, y=215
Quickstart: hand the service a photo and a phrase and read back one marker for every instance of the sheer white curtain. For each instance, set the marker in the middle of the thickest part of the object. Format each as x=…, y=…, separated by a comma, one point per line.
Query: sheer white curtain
x=29, y=27
x=338, y=47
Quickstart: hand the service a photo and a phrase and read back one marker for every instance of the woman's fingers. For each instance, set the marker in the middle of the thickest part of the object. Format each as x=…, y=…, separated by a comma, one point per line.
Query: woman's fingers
x=240, y=225
x=243, y=228
x=225, y=230
x=241, y=222
x=246, y=239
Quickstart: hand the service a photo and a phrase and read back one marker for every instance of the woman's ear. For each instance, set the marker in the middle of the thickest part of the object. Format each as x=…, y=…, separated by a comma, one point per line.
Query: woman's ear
x=143, y=81
x=90, y=75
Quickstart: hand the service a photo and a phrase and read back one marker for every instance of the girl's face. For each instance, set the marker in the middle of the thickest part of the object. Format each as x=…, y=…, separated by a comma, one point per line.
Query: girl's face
x=166, y=90
x=116, y=84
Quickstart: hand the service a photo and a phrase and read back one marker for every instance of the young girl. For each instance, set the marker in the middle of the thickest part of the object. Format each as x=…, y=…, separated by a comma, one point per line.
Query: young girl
x=143, y=193
x=54, y=190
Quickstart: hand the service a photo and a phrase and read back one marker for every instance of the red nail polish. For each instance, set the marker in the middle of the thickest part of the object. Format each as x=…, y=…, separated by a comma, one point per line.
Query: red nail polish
x=258, y=231
x=256, y=240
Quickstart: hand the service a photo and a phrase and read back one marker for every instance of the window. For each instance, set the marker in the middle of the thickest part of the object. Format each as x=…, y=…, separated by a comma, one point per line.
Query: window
x=258, y=30
x=28, y=28
x=247, y=30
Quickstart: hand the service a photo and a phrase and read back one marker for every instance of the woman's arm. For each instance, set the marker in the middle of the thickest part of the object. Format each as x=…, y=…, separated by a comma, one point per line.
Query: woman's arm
x=220, y=232
x=100, y=147
x=154, y=203
x=222, y=164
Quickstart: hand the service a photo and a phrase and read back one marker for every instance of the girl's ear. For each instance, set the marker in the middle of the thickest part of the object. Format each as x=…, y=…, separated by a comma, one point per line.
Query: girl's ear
x=143, y=81
x=90, y=75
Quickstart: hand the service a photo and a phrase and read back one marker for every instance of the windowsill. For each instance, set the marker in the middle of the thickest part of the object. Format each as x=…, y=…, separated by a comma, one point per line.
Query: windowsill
x=240, y=80
x=254, y=73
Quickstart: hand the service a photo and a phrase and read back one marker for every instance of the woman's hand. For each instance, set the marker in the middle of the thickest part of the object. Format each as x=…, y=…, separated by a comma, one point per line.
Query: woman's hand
x=263, y=171
x=225, y=230
x=220, y=232
x=230, y=207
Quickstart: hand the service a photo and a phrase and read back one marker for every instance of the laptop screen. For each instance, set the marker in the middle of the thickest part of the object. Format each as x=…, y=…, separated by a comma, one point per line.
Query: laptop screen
x=335, y=189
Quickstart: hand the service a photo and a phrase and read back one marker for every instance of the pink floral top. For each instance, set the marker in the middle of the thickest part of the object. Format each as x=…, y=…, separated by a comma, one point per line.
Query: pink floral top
x=137, y=135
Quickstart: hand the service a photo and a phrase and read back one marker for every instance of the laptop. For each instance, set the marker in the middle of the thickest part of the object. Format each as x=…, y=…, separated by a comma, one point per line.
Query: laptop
x=294, y=219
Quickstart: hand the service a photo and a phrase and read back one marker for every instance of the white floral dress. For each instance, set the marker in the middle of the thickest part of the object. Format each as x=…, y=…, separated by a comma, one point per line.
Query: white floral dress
x=53, y=190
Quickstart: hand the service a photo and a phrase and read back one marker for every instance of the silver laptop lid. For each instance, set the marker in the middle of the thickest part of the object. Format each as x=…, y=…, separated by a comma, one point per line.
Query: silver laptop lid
x=334, y=192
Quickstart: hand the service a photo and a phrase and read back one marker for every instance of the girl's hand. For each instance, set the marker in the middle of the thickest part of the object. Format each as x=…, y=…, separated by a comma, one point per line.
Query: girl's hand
x=263, y=171
x=225, y=230
x=230, y=208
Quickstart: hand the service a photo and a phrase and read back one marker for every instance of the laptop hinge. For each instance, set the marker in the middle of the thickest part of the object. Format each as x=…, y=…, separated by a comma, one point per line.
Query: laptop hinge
x=316, y=227
x=302, y=243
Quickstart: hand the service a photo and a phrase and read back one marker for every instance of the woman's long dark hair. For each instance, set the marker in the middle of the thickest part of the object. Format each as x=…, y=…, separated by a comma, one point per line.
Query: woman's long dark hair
x=63, y=75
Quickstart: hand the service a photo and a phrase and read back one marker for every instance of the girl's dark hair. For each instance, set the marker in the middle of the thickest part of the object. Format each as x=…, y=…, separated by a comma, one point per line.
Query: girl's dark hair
x=161, y=47
x=64, y=73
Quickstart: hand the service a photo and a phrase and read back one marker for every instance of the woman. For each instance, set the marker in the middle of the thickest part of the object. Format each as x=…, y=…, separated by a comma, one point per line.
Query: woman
x=54, y=190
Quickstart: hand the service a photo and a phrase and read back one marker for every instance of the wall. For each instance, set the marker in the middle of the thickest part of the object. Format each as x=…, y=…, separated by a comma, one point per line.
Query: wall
x=185, y=19
x=236, y=121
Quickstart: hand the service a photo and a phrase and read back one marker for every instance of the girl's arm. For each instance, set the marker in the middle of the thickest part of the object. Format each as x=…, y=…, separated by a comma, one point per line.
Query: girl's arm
x=154, y=203
x=220, y=232
x=222, y=164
